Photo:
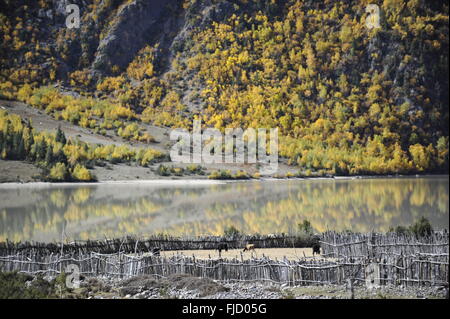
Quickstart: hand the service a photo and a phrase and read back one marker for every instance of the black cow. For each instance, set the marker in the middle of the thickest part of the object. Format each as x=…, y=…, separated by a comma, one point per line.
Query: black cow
x=316, y=249
x=156, y=251
x=222, y=246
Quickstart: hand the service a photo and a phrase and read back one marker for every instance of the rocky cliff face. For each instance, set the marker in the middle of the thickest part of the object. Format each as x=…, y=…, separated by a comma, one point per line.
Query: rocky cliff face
x=136, y=24
x=164, y=22
x=112, y=31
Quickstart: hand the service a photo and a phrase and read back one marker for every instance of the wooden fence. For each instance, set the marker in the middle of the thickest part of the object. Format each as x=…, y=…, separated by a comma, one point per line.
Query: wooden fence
x=376, y=246
x=136, y=245
x=398, y=259
x=406, y=271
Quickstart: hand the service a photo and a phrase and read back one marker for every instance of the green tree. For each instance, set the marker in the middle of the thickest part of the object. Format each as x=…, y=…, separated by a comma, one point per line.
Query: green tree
x=231, y=231
x=60, y=136
x=49, y=156
x=422, y=227
x=41, y=150
x=305, y=227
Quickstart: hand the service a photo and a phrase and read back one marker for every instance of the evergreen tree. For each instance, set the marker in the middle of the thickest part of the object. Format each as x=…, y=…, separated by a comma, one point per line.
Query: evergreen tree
x=21, y=152
x=60, y=136
x=29, y=147
x=1, y=140
x=17, y=137
x=41, y=150
x=49, y=156
x=60, y=157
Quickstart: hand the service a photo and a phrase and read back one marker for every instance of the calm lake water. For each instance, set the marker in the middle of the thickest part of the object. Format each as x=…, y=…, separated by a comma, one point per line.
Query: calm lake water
x=43, y=213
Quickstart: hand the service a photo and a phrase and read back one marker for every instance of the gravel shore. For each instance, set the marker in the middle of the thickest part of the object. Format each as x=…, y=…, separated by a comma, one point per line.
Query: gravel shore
x=186, y=287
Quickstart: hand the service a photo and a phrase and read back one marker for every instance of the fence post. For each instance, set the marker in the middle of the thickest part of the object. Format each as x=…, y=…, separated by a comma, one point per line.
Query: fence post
x=350, y=288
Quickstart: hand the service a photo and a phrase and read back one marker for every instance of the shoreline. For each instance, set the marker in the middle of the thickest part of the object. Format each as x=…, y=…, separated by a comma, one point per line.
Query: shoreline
x=172, y=182
x=206, y=181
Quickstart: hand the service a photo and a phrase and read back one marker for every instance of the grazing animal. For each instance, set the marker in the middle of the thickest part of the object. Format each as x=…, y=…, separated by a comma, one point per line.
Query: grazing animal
x=316, y=249
x=222, y=246
x=156, y=251
x=249, y=247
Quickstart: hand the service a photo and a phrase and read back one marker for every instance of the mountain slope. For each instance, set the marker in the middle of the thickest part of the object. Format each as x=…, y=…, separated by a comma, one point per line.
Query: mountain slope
x=347, y=100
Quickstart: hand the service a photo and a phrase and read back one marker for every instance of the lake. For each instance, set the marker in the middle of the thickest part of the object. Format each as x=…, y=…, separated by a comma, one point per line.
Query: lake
x=48, y=212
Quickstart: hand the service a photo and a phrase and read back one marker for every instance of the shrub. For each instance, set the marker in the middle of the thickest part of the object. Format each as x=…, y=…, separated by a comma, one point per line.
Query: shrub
x=195, y=169
x=305, y=227
x=422, y=228
x=130, y=131
x=231, y=231
x=81, y=173
x=20, y=286
x=7, y=91
x=147, y=138
x=241, y=175
x=147, y=156
x=177, y=171
x=163, y=170
x=59, y=172
x=221, y=174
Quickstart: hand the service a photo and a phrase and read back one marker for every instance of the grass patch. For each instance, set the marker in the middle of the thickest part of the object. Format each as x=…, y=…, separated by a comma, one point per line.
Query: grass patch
x=15, y=285
x=227, y=175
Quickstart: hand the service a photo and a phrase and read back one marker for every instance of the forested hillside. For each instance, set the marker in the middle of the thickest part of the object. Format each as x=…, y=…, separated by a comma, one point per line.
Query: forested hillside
x=347, y=100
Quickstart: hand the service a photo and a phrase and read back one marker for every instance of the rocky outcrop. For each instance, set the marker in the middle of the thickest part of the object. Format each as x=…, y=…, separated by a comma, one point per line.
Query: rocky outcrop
x=136, y=24
x=143, y=22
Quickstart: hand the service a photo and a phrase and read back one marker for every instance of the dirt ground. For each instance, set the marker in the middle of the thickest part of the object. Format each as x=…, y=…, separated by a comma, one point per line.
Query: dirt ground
x=16, y=171
x=272, y=253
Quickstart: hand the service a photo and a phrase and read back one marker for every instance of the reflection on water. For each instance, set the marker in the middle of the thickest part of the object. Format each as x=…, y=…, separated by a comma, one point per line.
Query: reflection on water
x=96, y=211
